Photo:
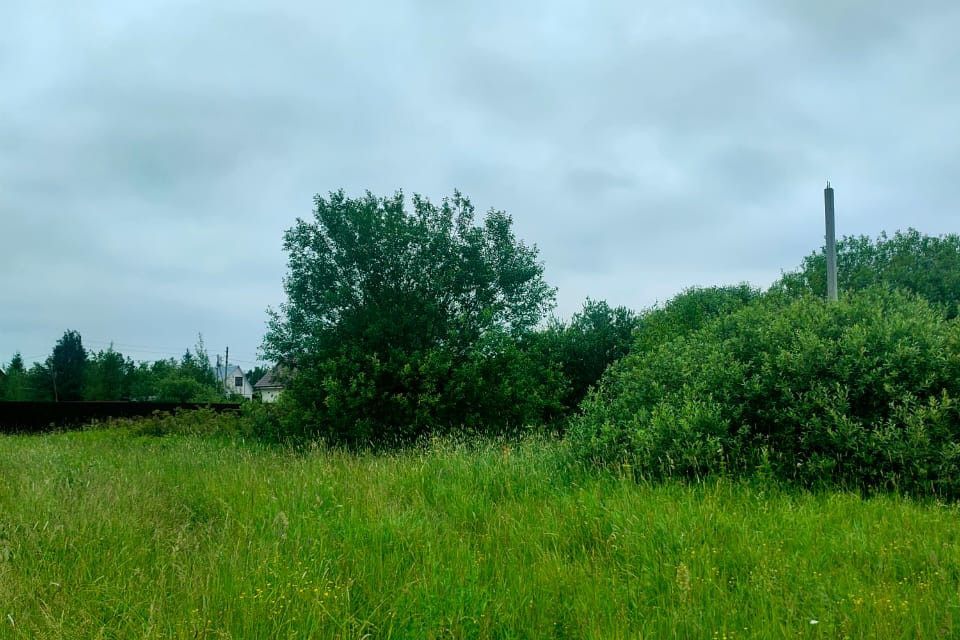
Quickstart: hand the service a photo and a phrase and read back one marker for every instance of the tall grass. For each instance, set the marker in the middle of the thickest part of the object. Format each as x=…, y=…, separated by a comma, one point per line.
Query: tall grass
x=114, y=535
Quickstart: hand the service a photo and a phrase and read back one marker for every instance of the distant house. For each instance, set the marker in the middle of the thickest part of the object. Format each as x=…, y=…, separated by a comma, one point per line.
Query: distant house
x=270, y=385
x=234, y=381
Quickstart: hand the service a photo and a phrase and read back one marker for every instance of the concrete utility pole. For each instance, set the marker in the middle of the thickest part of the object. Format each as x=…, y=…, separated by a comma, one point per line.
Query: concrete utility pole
x=831, y=243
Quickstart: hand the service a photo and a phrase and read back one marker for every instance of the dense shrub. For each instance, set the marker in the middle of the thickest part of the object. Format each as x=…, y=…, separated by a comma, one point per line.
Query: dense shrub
x=255, y=421
x=687, y=312
x=197, y=422
x=180, y=388
x=265, y=421
x=861, y=393
x=499, y=386
x=581, y=350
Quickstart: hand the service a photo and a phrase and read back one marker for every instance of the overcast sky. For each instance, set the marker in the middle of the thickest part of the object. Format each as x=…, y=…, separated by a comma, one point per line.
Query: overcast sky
x=152, y=153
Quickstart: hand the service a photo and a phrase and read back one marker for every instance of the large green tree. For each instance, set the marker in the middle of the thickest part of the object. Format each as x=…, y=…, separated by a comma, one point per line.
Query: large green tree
x=67, y=367
x=404, y=322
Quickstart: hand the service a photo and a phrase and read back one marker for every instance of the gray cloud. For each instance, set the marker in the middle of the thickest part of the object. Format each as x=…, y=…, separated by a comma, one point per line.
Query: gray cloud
x=152, y=153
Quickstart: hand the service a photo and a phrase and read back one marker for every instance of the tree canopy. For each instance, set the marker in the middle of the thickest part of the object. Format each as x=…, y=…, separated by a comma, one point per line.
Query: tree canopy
x=595, y=337
x=688, y=311
x=66, y=366
x=401, y=322
x=926, y=265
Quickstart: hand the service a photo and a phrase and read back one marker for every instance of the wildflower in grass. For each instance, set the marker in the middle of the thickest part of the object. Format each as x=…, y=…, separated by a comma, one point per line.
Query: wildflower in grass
x=282, y=523
x=683, y=580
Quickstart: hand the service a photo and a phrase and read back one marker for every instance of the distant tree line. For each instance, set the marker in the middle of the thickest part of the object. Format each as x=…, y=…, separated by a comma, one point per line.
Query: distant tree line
x=71, y=372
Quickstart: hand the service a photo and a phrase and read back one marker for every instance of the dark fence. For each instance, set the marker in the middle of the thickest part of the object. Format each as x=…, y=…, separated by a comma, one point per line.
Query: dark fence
x=34, y=417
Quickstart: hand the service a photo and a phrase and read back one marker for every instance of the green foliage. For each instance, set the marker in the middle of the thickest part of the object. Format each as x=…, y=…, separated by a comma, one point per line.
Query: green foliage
x=196, y=422
x=187, y=537
x=597, y=336
x=861, y=393
x=197, y=367
x=264, y=421
x=190, y=380
x=39, y=383
x=687, y=312
x=254, y=374
x=926, y=265
x=178, y=387
x=67, y=367
x=15, y=383
x=401, y=323
x=107, y=376
x=145, y=377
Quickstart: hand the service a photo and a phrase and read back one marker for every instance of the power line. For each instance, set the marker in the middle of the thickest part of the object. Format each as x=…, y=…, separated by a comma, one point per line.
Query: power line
x=143, y=349
x=157, y=350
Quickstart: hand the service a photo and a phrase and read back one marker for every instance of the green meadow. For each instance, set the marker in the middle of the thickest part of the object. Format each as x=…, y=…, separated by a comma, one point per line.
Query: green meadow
x=115, y=534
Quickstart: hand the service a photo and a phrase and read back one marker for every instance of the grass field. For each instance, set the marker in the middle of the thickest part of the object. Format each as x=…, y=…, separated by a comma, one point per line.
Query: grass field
x=112, y=535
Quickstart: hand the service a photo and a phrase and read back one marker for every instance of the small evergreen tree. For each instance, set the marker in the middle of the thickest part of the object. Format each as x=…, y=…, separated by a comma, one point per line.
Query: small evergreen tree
x=16, y=385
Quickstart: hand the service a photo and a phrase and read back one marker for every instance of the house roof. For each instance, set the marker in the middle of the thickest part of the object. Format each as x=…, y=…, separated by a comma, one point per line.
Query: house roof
x=230, y=372
x=270, y=380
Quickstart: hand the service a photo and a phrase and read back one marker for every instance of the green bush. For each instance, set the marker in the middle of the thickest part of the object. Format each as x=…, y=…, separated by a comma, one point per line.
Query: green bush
x=196, y=422
x=687, y=312
x=181, y=388
x=581, y=351
x=263, y=421
x=501, y=386
x=860, y=393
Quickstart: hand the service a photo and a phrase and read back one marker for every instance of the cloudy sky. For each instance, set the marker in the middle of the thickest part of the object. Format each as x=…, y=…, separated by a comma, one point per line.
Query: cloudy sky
x=152, y=153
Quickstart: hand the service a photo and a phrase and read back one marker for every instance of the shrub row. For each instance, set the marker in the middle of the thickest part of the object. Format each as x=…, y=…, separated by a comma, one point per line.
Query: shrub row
x=860, y=393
